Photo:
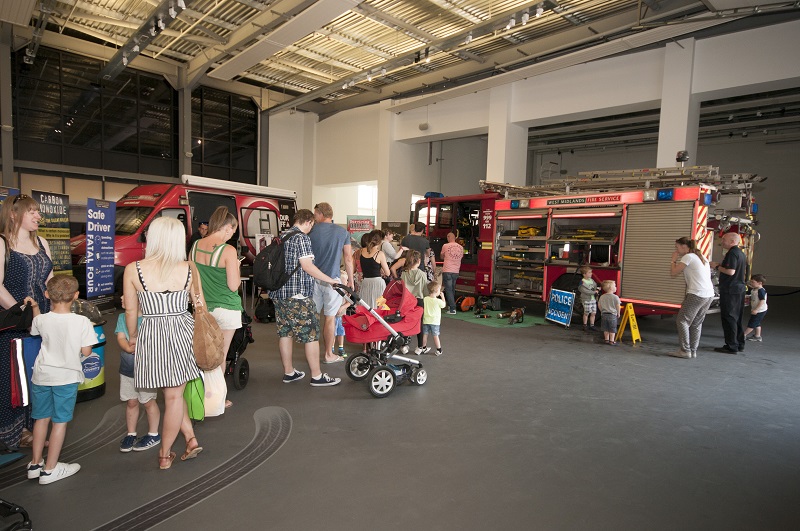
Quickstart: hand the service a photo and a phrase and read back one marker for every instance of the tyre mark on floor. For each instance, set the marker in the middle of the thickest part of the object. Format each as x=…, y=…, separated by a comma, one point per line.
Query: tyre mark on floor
x=273, y=426
x=107, y=430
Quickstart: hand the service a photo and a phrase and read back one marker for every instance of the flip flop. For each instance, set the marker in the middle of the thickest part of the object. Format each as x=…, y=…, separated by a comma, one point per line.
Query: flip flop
x=191, y=454
x=337, y=360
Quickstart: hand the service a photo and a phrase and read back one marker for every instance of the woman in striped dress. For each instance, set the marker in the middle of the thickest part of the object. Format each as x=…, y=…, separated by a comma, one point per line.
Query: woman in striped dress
x=157, y=287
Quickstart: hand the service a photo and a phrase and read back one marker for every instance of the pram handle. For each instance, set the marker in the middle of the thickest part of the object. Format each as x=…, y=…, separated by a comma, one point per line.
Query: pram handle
x=345, y=291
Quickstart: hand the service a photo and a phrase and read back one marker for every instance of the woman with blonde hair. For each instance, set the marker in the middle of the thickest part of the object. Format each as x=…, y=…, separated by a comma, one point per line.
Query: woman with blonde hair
x=25, y=268
x=689, y=261
x=218, y=266
x=157, y=287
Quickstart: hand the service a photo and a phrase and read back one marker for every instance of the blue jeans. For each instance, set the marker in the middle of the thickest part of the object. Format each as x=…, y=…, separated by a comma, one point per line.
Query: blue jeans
x=449, y=281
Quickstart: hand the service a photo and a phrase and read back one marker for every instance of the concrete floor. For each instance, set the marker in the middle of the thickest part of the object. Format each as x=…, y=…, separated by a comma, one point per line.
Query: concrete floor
x=535, y=428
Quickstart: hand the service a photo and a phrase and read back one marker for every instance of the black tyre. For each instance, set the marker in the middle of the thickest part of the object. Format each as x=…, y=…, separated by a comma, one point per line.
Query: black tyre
x=241, y=373
x=357, y=367
x=381, y=381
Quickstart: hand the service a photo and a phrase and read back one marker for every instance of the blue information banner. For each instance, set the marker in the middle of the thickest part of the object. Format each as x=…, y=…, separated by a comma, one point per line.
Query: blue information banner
x=100, y=220
x=559, y=307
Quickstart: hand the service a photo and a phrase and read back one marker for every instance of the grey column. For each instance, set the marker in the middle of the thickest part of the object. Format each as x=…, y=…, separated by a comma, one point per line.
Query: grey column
x=6, y=116
x=184, y=126
x=262, y=162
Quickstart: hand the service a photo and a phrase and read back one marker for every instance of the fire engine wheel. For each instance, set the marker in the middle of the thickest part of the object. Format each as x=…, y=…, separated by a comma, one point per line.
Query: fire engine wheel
x=357, y=367
x=241, y=373
x=381, y=381
x=419, y=376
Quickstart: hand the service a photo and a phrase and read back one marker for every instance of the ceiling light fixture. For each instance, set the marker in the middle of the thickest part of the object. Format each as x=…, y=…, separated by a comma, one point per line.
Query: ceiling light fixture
x=383, y=71
x=161, y=24
x=172, y=12
x=124, y=59
x=469, y=38
x=352, y=83
x=181, y=4
x=153, y=31
x=135, y=48
x=344, y=87
x=427, y=52
x=369, y=77
x=525, y=17
x=730, y=118
x=511, y=23
x=539, y=10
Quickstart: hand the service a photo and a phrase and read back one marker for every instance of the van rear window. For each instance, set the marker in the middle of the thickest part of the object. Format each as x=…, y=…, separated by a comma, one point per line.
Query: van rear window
x=129, y=219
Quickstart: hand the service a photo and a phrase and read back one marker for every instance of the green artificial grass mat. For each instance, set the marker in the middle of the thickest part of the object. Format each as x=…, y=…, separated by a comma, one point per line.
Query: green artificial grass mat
x=493, y=321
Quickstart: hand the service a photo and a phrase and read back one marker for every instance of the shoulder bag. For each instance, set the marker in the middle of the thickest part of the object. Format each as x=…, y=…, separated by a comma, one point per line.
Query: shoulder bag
x=207, y=341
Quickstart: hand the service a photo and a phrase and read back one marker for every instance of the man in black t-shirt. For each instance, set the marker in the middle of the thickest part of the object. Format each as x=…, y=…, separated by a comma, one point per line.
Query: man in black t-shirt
x=732, y=275
x=418, y=242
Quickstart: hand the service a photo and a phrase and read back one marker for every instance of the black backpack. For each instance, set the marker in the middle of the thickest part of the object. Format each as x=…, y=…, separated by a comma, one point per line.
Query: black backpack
x=269, y=267
x=264, y=311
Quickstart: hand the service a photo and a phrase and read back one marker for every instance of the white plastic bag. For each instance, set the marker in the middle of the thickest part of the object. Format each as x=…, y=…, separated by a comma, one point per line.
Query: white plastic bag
x=216, y=391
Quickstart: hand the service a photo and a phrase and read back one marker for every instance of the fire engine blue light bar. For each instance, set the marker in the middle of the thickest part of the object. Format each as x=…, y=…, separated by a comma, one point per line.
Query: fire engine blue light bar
x=515, y=203
x=665, y=194
x=707, y=199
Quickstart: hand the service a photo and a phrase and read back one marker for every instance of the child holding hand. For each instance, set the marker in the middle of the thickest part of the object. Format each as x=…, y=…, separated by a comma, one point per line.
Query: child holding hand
x=758, y=307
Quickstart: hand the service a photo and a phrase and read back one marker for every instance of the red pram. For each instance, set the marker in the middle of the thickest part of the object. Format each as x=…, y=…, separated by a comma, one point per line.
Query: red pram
x=387, y=332
x=404, y=316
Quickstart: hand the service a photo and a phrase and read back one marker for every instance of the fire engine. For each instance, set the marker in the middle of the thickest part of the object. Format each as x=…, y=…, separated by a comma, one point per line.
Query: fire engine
x=622, y=223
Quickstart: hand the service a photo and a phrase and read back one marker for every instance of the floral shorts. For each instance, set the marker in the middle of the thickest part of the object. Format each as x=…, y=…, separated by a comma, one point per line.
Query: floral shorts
x=297, y=318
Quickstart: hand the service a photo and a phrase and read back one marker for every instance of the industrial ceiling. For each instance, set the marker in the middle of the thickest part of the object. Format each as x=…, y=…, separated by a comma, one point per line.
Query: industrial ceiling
x=326, y=56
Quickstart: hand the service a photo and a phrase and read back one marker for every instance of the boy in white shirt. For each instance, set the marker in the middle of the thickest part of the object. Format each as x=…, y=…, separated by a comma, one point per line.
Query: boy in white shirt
x=66, y=338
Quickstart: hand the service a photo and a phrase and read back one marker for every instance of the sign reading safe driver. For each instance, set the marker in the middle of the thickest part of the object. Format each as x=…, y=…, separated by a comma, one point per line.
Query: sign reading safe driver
x=559, y=307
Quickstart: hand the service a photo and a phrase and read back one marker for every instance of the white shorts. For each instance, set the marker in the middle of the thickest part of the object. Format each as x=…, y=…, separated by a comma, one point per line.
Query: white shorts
x=327, y=300
x=128, y=392
x=227, y=319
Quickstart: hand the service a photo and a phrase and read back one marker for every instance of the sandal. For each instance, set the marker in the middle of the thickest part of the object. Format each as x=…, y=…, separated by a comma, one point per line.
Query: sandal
x=25, y=439
x=166, y=461
x=191, y=453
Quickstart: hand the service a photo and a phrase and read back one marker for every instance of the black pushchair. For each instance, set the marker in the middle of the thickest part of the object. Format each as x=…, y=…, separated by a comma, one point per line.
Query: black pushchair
x=9, y=517
x=382, y=365
x=238, y=367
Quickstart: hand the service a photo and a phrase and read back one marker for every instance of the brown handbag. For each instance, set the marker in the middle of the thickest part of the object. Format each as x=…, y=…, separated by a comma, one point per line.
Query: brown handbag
x=207, y=341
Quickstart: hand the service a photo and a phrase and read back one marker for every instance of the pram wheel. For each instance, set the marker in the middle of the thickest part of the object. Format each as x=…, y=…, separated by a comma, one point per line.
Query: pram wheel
x=241, y=373
x=419, y=376
x=357, y=367
x=381, y=381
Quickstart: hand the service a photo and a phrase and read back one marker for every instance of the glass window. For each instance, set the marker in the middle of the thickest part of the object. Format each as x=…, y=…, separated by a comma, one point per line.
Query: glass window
x=243, y=157
x=121, y=138
x=37, y=94
x=79, y=71
x=258, y=221
x=244, y=132
x=84, y=133
x=81, y=102
x=157, y=145
x=129, y=219
x=216, y=128
x=217, y=153
x=445, y=219
x=119, y=110
x=40, y=126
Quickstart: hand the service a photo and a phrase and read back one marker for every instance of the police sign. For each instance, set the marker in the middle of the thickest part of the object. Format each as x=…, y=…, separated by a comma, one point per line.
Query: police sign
x=559, y=307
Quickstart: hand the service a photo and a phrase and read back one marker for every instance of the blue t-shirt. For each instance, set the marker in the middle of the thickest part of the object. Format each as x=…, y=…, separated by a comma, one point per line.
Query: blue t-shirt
x=328, y=240
x=125, y=358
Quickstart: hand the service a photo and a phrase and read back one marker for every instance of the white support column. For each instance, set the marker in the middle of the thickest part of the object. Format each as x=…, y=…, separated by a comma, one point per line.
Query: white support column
x=680, y=110
x=507, y=154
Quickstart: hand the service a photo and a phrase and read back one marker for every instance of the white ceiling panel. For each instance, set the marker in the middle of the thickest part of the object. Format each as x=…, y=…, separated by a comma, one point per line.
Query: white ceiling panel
x=17, y=11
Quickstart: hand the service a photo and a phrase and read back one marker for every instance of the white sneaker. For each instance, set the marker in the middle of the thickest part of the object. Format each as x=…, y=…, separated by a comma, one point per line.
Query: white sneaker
x=35, y=470
x=418, y=351
x=681, y=354
x=61, y=471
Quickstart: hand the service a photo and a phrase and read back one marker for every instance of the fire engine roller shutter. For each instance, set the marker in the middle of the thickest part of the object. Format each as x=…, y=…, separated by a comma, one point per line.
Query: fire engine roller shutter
x=521, y=212
x=650, y=234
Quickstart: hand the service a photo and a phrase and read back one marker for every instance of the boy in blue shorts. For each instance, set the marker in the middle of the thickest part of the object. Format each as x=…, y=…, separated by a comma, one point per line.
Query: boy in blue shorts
x=432, y=317
x=66, y=339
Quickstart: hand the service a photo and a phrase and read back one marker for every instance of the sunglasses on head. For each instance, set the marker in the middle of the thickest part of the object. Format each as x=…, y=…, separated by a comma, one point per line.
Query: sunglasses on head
x=18, y=197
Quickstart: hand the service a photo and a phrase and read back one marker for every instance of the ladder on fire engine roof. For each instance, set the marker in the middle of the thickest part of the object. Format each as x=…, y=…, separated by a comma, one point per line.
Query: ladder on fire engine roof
x=619, y=180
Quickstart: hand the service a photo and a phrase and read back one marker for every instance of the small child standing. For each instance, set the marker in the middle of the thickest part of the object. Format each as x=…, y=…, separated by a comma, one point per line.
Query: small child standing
x=758, y=307
x=432, y=317
x=66, y=338
x=609, y=305
x=416, y=282
x=133, y=397
x=588, y=291
x=338, y=347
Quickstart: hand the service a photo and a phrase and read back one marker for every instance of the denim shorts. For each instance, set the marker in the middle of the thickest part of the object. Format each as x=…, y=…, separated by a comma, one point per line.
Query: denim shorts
x=608, y=322
x=326, y=298
x=339, y=327
x=430, y=329
x=298, y=318
x=54, y=402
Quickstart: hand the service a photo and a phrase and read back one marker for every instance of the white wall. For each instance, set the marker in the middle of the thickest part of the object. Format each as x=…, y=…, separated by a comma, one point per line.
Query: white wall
x=291, y=153
x=463, y=164
x=343, y=199
x=347, y=147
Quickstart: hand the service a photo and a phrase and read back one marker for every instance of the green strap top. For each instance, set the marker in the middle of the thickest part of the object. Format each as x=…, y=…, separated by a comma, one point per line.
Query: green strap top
x=215, y=281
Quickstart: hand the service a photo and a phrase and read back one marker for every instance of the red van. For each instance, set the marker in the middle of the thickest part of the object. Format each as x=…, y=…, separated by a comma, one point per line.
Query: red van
x=260, y=210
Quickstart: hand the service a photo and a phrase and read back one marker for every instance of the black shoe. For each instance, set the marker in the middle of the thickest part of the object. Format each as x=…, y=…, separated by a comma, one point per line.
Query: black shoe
x=725, y=350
